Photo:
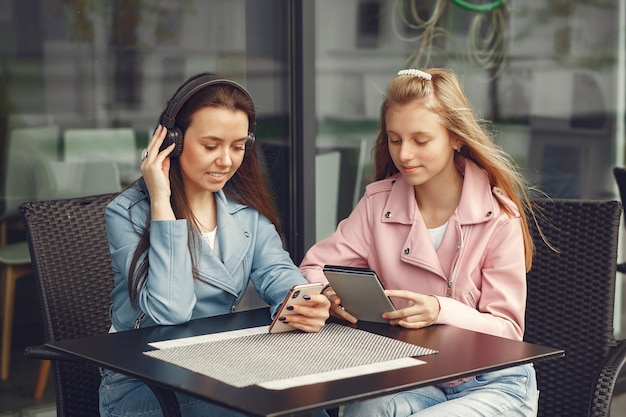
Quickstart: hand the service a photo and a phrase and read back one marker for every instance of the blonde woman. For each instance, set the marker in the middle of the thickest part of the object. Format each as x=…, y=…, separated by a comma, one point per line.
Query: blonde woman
x=445, y=227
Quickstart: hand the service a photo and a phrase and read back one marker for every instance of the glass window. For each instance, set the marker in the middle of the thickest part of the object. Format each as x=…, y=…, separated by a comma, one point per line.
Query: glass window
x=548, y=76
x=544, y=73
x=82, y=85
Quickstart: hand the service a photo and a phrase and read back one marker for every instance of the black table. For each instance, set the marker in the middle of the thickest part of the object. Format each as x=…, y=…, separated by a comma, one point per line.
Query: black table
x=461, y=353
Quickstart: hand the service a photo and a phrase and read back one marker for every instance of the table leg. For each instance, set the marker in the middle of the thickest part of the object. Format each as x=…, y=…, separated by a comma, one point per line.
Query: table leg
x=168, y=401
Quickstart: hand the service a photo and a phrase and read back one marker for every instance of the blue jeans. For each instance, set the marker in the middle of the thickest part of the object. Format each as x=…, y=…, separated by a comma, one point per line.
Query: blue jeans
x=510, y=392
x=121, y=395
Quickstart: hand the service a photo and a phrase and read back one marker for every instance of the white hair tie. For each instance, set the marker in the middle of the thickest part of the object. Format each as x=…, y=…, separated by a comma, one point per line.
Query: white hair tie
x=416, y=73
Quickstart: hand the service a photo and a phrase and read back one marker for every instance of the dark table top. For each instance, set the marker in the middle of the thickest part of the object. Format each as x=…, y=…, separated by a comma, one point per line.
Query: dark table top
x=461, y=353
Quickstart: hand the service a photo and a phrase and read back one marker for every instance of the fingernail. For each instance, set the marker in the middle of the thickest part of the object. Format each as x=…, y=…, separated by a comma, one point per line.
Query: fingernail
x=306, y=297
x=282, y=318
x=289, y=308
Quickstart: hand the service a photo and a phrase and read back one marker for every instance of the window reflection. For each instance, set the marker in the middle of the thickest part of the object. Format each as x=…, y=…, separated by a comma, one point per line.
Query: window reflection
x=543, y=74
x=83, y=83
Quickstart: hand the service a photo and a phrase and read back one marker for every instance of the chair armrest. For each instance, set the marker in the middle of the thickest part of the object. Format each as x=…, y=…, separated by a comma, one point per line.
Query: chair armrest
x=605, y=384
x=44, y=352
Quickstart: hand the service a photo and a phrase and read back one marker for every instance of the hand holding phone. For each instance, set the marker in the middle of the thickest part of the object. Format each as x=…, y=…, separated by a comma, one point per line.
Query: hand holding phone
x=294, y=296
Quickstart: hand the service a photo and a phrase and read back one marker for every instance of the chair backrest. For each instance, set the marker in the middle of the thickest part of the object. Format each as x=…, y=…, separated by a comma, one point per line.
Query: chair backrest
x=571, y=297
x=62, y=179
x=619, y=173
x=26, y=148
x=327, y=168
x=103, y=144
x=72, y=268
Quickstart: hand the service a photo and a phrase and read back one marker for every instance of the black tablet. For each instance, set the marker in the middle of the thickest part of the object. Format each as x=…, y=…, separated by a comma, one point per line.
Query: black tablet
x=361, y=292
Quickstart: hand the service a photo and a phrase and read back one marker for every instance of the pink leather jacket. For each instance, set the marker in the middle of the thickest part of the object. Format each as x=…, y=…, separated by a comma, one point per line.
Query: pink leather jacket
x=478, y=273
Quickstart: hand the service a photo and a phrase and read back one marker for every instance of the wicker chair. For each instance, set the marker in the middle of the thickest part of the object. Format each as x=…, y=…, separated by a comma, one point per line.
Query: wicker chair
x=72, y=267
x=571, y=296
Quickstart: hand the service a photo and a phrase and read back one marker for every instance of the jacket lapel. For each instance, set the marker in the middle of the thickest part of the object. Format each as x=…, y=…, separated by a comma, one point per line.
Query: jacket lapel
x=233, y=242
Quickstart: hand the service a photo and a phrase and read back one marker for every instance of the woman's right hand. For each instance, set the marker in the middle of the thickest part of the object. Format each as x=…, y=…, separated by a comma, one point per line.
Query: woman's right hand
x=336, y=309
x=155, y=168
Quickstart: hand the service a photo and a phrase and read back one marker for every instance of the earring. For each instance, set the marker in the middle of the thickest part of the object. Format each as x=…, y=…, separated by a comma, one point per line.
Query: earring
x=458, y=149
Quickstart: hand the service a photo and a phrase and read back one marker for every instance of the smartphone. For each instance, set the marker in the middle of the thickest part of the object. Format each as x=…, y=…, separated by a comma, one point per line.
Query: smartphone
x=294, y=296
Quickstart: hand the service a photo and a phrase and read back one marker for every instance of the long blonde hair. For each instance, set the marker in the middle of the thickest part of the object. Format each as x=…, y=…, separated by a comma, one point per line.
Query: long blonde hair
x=444, y=95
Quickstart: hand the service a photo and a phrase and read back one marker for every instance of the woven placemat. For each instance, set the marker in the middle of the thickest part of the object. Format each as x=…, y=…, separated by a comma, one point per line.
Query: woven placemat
x=263, y=357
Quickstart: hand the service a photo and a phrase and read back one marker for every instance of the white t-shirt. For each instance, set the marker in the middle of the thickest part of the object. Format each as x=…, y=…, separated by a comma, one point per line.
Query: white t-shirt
x=436, y=234
x=210, y=238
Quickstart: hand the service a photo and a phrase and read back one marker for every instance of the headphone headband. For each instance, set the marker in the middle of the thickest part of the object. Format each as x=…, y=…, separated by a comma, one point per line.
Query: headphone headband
x=168, y=117
x=174, y=134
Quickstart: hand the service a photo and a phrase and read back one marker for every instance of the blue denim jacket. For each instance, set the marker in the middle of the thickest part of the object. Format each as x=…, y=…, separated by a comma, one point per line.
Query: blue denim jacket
x=250, y=247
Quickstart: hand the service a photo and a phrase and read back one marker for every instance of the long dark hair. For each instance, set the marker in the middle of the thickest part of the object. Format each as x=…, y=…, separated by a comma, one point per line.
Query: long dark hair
x=247, y=186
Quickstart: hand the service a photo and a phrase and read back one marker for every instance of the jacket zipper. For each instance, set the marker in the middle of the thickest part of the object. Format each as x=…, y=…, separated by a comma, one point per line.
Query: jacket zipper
x=459, y=248
x=239, y=297
x=139, y=320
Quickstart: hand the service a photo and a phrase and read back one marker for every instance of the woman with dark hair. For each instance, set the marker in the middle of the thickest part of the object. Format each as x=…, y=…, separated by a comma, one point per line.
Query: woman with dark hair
x=188, y=237
x=445, y=227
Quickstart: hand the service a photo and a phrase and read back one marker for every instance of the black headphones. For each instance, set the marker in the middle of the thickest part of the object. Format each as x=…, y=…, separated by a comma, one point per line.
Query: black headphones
x=168, y=117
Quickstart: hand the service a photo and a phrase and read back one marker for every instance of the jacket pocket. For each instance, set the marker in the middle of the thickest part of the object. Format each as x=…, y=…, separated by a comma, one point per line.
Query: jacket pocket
x=472, y=300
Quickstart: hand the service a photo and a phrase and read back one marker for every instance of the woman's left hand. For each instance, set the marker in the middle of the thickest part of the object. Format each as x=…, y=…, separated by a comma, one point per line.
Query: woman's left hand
x=421, y=310
x=312, y=316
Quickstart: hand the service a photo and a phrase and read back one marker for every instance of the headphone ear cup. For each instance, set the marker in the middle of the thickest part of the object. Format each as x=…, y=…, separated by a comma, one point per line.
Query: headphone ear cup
x=174, y=135
x=249, y=145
